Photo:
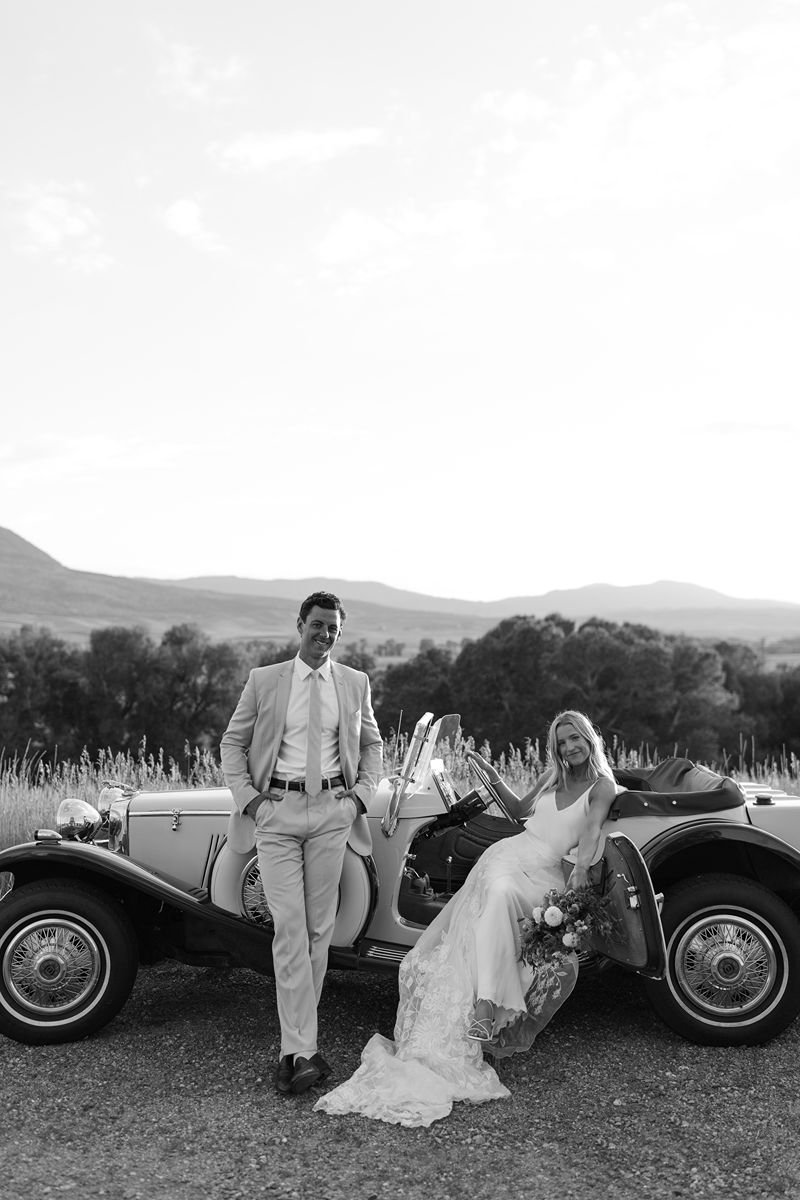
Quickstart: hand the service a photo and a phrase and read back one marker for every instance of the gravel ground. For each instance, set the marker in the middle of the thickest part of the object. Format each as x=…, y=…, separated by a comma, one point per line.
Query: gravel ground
x=174, y=1100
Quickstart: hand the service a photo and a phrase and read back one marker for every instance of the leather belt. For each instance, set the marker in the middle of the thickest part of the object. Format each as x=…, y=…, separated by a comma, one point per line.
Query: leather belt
x=298, y=785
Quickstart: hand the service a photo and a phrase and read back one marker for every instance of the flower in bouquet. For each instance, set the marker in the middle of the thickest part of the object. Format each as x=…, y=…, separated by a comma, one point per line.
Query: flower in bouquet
x=556, y=929
x=560, y=925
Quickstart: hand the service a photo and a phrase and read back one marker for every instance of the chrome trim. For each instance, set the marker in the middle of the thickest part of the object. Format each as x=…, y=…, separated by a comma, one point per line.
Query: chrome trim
x=169, y=813
x=78, y=820
x=402, y=781
x=214, y=845
x=118, y=820
x=52, y=965
x=393, y=954
x=726, y=964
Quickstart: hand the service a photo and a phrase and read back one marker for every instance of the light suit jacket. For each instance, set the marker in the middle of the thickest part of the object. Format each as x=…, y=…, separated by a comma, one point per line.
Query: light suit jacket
x=252, y=740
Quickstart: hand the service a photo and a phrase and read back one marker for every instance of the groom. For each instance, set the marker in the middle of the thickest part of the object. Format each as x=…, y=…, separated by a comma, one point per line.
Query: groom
x=301, y=755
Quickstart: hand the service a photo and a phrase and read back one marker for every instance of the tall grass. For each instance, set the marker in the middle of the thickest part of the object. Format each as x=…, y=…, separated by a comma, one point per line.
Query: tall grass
x=31, y=788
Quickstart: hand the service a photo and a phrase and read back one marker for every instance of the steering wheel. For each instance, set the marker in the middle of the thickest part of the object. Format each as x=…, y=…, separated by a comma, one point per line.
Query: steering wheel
x=492, y=796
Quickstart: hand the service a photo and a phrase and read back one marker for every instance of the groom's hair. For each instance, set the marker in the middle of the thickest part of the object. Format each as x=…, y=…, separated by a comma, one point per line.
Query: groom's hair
x=322, y=600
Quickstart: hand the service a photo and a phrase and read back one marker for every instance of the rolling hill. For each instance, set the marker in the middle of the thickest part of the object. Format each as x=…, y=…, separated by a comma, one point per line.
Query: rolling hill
x=35, y=589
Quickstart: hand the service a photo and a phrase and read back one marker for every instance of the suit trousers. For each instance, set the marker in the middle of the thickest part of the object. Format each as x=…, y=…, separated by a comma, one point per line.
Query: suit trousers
x=301, y=843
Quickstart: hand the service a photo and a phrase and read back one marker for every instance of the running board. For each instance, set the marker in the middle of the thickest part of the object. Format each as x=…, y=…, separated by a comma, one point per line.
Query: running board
x=388, y=953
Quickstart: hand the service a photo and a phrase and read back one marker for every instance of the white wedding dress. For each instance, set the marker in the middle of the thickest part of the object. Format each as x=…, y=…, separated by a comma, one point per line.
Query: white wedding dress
x=470, y=952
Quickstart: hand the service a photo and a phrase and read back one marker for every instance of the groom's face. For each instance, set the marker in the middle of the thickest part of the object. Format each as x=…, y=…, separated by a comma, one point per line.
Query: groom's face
x=319, y=633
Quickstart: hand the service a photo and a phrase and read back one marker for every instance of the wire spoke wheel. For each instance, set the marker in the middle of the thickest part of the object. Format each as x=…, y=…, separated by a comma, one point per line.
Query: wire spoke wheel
x=726, y=963
x=733, y=961
x=68, y=960
x=53, y=965
x=254, y=902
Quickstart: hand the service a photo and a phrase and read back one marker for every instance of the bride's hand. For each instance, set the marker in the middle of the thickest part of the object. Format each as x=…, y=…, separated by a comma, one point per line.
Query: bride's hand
x=494, y=775
x=579, y=878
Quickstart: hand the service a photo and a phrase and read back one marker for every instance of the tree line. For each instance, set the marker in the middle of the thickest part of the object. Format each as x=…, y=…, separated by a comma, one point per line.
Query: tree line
x=646, y=690
x=712, y=701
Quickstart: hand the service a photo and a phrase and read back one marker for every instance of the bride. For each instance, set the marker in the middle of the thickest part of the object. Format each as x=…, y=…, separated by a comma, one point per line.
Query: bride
x=463, y=988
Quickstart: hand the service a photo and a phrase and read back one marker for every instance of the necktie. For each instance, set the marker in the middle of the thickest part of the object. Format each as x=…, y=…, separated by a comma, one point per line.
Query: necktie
x=314, y=738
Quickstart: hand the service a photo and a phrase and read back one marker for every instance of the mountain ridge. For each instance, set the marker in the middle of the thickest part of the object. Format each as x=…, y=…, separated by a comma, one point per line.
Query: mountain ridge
x=661, y=594
x=35, y=589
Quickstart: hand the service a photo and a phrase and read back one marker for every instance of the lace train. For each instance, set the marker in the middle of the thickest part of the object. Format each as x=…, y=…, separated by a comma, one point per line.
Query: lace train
x=470, y=951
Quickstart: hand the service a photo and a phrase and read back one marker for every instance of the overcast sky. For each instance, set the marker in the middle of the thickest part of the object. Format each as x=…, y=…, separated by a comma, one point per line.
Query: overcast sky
x=478, y=298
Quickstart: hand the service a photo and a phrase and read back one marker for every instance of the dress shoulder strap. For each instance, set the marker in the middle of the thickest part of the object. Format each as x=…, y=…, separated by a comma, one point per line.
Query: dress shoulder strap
x=585, y=794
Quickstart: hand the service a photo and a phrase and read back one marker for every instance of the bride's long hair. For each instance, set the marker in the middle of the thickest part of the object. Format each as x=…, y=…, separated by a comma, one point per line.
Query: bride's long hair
x=557, y=772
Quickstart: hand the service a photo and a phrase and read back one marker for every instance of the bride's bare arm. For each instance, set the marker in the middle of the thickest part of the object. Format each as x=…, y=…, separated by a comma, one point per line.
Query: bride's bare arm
x=601, y=798
x=518, y=806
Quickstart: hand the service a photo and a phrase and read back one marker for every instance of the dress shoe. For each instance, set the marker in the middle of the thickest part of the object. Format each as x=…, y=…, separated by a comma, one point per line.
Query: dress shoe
x=283, y=1074
x=306, y=1072
x=322, y=1067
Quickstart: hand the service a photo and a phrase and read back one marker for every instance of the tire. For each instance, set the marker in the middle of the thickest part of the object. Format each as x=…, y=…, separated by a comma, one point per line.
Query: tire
x=68, y=961
x=733, y=962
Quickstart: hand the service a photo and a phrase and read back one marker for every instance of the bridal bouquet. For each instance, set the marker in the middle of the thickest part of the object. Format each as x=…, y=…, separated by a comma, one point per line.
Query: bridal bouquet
x=560, y=924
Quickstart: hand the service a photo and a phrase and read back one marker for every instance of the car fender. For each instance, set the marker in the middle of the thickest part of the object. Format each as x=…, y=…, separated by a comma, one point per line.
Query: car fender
x=122, y=878
x=763, y=855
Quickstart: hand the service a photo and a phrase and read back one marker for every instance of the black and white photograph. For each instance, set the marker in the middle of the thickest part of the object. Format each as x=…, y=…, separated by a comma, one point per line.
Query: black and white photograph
x=399, y=599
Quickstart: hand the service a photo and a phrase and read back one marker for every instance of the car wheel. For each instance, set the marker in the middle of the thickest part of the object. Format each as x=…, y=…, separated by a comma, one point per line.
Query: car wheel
x=733, y=962
x=236, y=886
x=68, y=961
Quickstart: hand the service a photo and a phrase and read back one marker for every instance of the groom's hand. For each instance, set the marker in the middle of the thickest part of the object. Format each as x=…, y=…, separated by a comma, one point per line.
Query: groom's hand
x=359, y=803
x=251, y=809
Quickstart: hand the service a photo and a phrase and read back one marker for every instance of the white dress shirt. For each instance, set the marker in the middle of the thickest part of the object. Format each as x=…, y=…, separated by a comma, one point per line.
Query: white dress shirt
x=291, y=762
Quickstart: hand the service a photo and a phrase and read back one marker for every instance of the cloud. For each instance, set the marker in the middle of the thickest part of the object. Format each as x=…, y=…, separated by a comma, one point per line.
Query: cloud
x=595, y=259
x=185, y=219
x=356, y=236
x=515, y=107
x=260, y=151
x=63, y=457
x=366, y=247
x=58, y=223
x=689, y=130
x=188, y=76
x=749, y=429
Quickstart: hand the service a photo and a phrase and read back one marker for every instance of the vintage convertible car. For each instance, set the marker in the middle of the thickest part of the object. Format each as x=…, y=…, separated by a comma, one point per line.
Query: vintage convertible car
x=150, y=875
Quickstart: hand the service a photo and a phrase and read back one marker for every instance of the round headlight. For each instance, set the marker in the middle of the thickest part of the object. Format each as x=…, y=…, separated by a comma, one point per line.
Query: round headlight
x=77, y=820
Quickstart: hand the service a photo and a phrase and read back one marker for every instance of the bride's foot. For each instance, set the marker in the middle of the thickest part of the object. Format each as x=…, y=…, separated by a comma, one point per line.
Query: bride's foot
x=480, y=1031
x=482, y=1027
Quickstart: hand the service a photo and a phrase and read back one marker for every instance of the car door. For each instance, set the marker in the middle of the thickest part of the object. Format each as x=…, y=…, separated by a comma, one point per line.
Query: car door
x=637, y=941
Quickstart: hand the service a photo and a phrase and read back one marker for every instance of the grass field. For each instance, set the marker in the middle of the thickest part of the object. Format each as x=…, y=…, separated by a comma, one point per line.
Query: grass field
x=31, y=789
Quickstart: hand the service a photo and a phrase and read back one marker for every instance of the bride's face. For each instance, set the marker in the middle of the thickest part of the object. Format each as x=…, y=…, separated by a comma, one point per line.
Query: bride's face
x=573, y=749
